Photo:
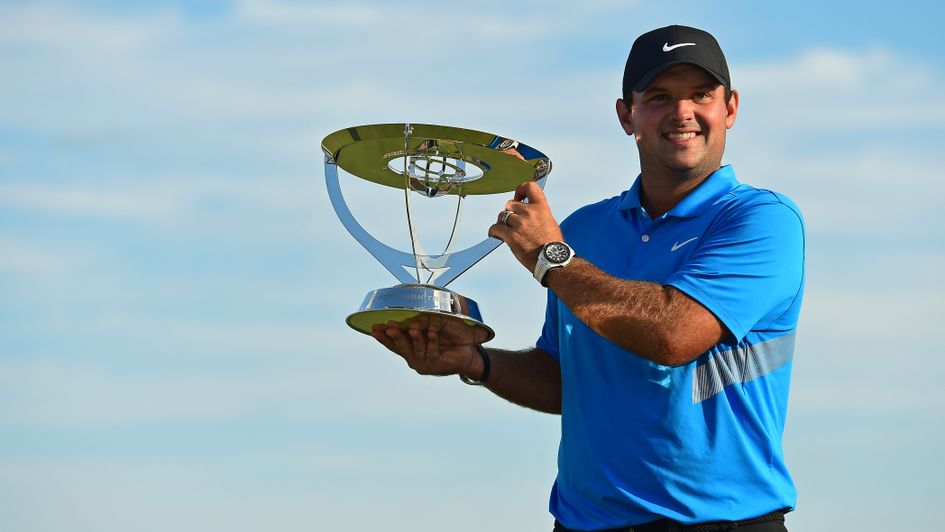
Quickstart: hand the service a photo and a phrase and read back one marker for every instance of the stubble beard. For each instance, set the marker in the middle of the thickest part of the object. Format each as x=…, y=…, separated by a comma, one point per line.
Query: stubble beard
x=672, y=172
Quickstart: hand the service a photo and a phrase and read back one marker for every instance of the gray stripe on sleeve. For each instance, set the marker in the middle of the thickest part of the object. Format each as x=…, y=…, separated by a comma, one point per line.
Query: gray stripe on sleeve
x=741, y=364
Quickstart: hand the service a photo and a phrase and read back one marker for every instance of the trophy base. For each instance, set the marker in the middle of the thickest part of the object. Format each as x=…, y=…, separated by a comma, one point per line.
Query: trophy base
x=406, y=302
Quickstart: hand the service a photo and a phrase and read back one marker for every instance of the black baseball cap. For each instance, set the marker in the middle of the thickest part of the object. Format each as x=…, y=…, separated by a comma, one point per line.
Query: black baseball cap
x=655, y=51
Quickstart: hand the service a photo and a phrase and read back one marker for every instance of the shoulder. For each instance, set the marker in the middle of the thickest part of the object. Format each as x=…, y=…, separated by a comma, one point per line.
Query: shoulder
x=760, y=205
x=746, y=197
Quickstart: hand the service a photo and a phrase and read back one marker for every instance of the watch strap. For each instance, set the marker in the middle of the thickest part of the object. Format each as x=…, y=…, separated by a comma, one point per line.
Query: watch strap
x=486, y=366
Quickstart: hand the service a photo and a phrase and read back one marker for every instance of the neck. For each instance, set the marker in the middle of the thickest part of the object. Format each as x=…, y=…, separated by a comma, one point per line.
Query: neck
x=660, y=193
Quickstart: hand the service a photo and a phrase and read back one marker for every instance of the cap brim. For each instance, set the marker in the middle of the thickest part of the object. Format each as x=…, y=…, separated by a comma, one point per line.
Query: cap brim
x=644, y=81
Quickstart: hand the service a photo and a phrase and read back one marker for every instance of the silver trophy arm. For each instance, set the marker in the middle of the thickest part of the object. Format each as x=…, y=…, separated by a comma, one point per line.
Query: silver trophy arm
x=444, y=268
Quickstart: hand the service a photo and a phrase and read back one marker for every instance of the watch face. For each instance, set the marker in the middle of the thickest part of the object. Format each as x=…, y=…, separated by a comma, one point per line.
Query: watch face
x=556, y=252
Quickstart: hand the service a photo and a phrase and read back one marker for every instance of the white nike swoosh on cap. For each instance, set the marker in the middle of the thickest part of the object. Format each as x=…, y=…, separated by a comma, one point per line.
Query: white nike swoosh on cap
x=668, y=48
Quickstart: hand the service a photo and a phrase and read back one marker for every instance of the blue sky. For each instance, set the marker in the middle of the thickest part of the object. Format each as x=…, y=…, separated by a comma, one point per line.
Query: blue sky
x=174, y=283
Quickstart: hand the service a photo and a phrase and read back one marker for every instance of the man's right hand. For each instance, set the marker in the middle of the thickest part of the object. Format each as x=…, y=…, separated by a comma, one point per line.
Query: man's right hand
x=434, y=345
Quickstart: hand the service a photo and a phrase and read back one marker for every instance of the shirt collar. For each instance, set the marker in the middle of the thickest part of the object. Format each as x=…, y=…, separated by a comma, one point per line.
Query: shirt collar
x=714, y=186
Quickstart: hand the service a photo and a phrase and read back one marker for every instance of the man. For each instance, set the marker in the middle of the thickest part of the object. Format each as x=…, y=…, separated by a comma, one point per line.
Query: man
x=669, y=330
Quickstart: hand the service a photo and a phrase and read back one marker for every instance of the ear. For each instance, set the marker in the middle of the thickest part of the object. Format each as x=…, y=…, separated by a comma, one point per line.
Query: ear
x=623, y=115
x=732, y=109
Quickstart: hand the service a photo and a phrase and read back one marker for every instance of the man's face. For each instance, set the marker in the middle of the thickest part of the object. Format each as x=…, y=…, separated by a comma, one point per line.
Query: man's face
x=679, y=122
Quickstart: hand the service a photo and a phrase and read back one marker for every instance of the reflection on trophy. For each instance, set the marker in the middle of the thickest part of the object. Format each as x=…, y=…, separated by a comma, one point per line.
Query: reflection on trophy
x=432, y=162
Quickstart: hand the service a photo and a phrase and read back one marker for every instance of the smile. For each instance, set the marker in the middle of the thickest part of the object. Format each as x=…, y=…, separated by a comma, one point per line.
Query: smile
x=682, y=136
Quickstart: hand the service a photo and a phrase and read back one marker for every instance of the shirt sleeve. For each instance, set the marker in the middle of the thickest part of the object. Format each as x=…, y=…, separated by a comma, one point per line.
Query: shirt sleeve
x=548, y=341
x=749, y=267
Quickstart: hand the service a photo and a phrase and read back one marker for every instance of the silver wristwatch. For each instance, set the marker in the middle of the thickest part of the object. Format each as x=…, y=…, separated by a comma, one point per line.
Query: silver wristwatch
x=552, y=255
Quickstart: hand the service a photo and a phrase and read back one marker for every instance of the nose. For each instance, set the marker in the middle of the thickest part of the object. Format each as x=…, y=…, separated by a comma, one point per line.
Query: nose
x=683, y=110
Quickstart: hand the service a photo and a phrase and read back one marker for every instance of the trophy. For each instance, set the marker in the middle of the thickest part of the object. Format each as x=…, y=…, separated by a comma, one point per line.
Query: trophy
x=431, y=162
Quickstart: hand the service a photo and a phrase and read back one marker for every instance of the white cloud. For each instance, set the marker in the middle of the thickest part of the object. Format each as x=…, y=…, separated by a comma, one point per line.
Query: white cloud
x=65, y=29
x=178, y=202
x=866, y=71
x=325, y=69
x=21, y=258
x=832, y=89
x=489, y=23
x=105, y=203
x=50, y=394
x=319, y=14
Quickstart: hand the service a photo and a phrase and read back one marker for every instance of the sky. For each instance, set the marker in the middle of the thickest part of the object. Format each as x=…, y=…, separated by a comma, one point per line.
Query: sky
x=174, y=282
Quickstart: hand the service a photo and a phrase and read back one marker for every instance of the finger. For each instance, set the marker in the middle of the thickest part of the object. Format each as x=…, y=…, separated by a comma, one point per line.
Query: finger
x=381, y=337
x=516, y=207
x=433, y=341
x=393, y=325
x=456, y=332
x=435, y=324
x=379, y=331
x=418, y=344
x=419, y=322
x=433, y=335
x=401, y=345
x=500, y=231
x=531, y=191
x=380, y=327
x=388, y=342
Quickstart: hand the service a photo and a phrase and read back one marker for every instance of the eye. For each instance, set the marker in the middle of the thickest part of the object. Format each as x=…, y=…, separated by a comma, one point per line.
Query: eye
x=701, y=96
x=656, y=98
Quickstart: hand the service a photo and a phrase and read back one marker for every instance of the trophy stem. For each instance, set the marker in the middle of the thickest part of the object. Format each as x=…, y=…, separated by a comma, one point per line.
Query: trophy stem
x=414, y=240
x=449, y=243
x=421, y=258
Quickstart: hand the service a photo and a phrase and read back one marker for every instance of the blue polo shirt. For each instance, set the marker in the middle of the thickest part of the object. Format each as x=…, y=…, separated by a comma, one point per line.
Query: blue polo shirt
x=701, y=441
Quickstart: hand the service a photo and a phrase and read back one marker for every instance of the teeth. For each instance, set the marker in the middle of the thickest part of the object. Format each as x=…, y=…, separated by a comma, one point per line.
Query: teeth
x=682, y=136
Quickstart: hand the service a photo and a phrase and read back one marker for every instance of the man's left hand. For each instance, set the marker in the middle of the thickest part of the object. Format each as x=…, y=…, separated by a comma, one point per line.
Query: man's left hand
x=529, y=227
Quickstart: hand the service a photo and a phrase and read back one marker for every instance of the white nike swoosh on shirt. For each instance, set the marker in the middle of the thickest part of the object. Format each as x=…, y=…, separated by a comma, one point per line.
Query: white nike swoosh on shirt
x=668, y=48
x=677, y=245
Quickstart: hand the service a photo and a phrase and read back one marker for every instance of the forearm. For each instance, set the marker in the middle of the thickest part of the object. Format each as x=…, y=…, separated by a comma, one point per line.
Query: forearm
x=654, y=321
x=528, y=378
